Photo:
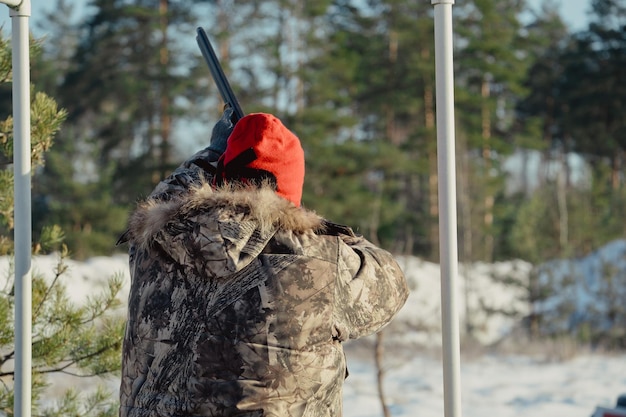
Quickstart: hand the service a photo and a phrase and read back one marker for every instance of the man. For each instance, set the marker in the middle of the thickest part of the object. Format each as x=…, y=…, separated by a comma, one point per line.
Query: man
x=241, y=298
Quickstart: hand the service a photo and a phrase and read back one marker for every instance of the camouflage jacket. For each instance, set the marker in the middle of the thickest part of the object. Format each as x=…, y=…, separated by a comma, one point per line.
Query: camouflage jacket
x=239, y=303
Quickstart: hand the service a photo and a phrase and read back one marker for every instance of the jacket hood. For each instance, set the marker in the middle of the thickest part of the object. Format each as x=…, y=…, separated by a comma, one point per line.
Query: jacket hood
x=229, y=225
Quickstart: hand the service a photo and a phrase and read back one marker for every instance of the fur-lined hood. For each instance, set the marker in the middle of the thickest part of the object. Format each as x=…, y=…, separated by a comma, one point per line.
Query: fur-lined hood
x=234, y=220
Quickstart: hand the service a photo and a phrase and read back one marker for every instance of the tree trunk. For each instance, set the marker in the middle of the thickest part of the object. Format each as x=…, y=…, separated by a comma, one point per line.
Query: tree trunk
x=224, y=45
x=433, y=179
x=380, y=375
x=616, y=170
x=166, y=119
x=298, y=20
x=562, y=205
x=489, y=198
x=465, y=211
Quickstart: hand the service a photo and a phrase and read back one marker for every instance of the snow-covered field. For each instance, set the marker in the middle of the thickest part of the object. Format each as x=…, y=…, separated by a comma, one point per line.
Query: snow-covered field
x=502, y=386
x=492, y=384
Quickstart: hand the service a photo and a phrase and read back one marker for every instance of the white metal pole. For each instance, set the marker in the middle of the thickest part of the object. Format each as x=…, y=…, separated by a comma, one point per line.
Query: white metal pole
x=447, y=203
x=20, y=13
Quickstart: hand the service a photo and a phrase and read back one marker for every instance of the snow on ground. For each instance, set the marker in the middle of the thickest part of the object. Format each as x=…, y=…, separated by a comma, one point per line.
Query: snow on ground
x=491, y=385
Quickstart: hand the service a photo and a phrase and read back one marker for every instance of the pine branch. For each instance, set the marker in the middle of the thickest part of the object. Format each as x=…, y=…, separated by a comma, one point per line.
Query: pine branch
x=78, y=360
x=62, y=369
x=8, y=357
x=61, y=268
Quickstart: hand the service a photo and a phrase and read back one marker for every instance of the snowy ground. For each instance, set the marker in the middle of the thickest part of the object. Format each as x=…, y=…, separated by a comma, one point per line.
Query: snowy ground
x=502, y=385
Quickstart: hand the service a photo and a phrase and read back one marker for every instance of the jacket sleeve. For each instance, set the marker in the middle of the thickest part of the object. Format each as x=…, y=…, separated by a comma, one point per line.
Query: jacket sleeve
x=371, y=288
x=200, y=165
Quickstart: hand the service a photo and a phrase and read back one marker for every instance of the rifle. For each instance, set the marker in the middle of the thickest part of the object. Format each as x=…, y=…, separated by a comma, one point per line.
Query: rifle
x=218, y=75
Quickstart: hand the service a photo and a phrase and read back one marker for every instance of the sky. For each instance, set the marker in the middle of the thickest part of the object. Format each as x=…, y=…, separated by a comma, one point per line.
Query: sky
x=574, y=12
x=546, y=380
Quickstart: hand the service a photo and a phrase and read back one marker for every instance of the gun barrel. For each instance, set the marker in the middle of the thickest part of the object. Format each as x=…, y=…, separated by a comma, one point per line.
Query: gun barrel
x=228, y=96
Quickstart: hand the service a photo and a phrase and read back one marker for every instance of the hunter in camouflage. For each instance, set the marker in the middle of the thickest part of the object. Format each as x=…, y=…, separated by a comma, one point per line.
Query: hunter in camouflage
x=241, y=299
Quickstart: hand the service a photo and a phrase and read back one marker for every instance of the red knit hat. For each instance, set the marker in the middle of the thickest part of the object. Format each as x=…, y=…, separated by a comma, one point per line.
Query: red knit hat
x=260, y=143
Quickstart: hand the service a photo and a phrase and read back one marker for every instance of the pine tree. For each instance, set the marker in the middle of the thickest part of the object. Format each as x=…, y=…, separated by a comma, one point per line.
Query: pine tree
x=575, y=90
x=85, y=339
x=537, y=231
x=594, y=84
x=128, y=98
x=364, y=97
x=490, y=83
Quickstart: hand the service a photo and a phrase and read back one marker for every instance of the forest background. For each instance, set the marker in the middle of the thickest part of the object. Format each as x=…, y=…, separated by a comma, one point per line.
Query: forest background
x=540, y=121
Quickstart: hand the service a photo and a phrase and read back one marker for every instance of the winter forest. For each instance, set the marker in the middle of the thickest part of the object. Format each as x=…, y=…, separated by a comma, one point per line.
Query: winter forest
x=121, y=96
x=539, y=127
